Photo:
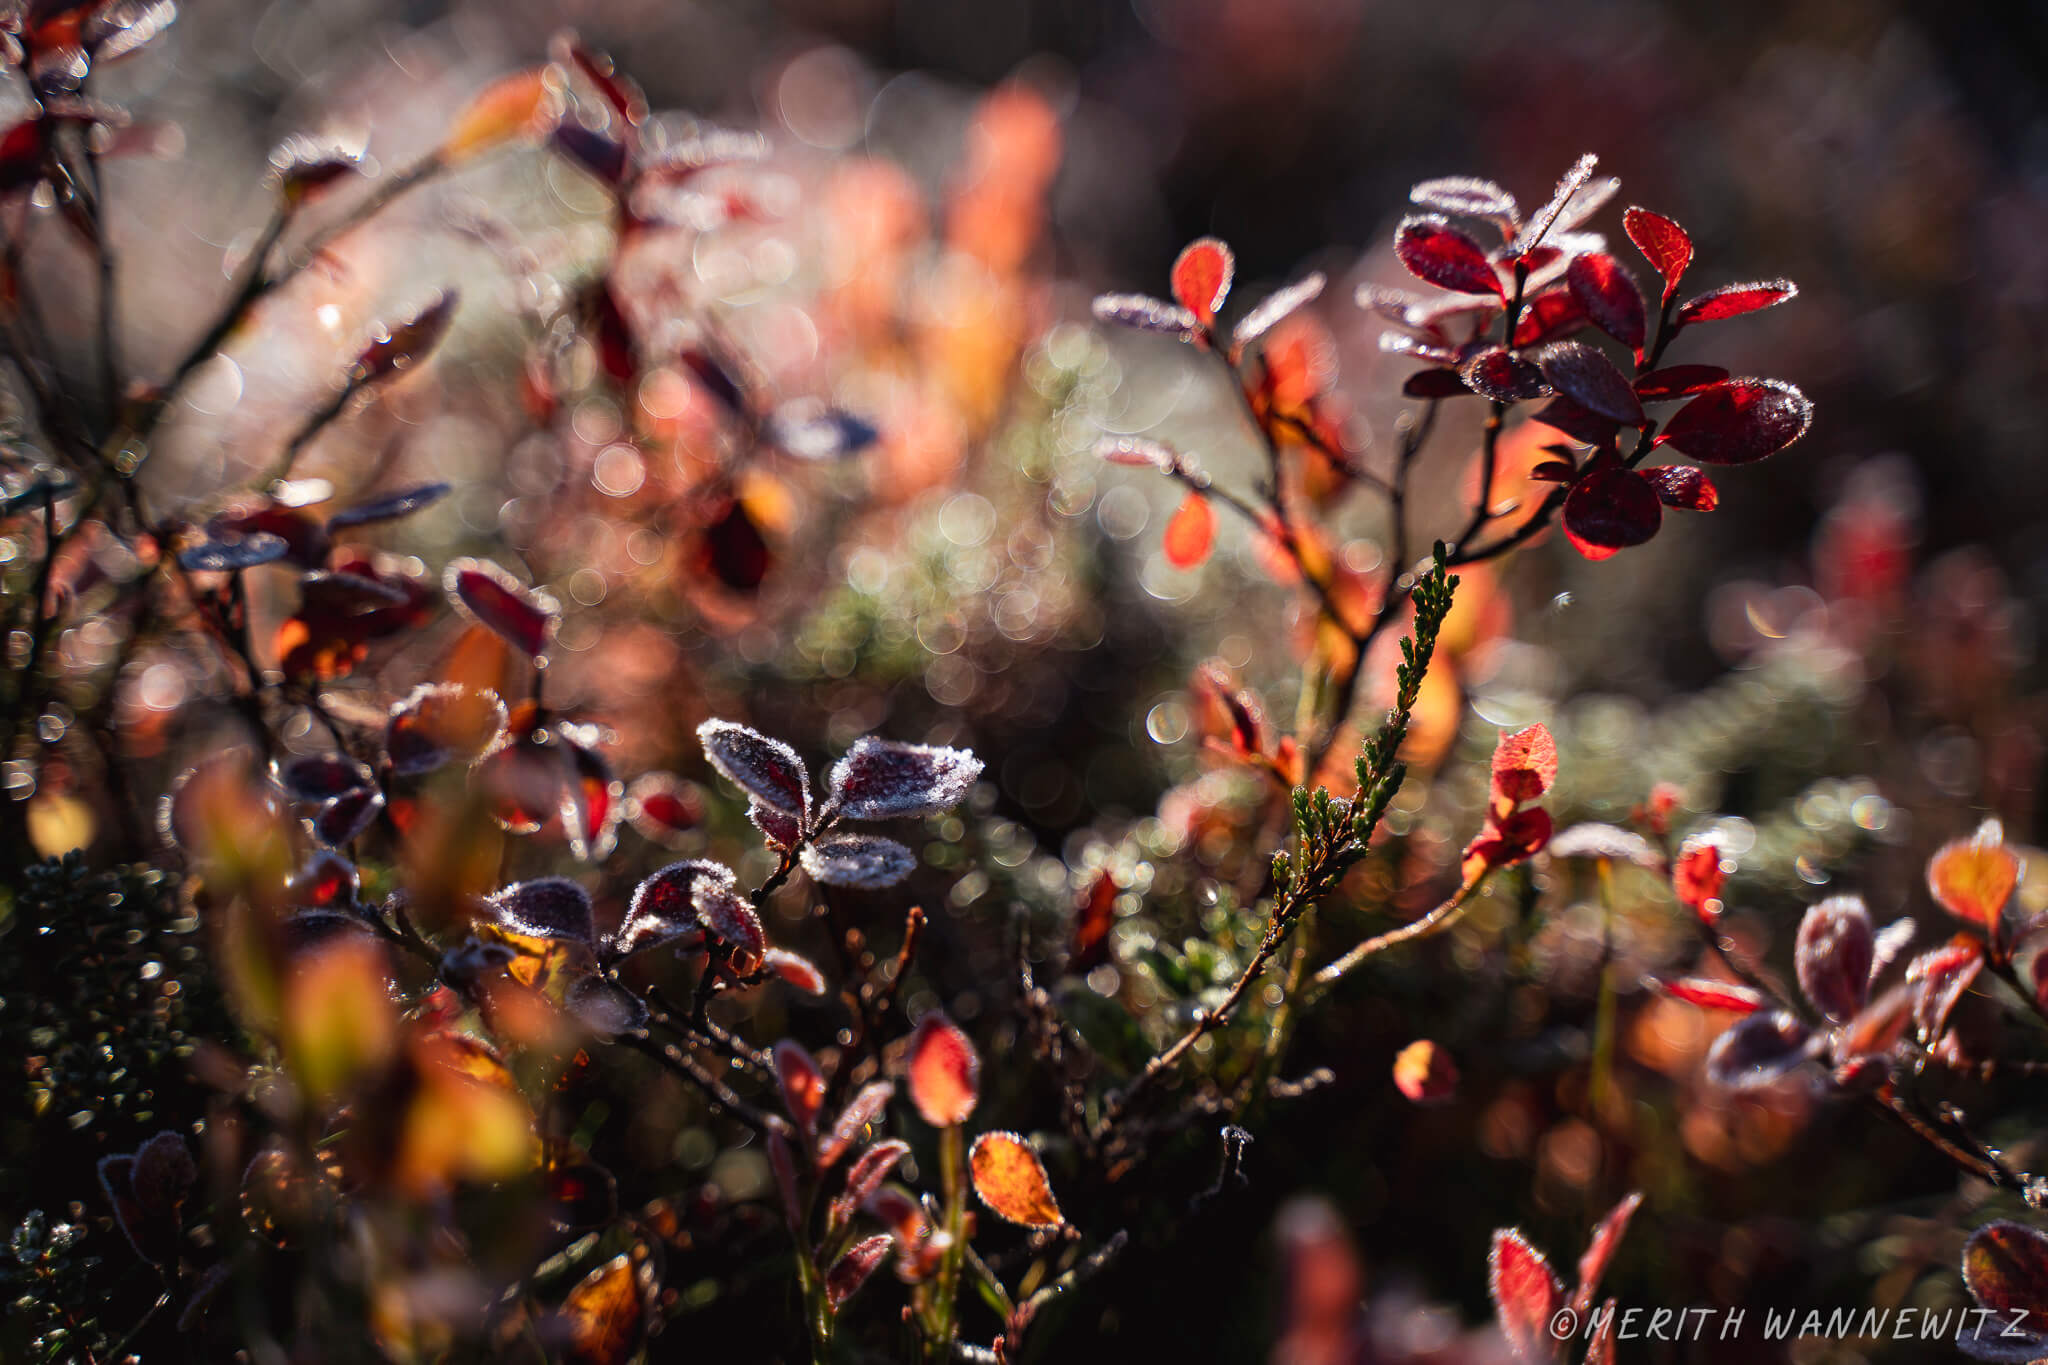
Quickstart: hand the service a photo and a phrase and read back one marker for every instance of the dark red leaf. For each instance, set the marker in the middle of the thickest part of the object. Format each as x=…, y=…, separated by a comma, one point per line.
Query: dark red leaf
x=547, y=907
x=1548, y=315
x=1939, y=978
x=1609, y=509
x=1501, y=375
x=1201, y=277
x=320, y=777
x=1435, y=251
x=523, y=617
x=1682, y=486
x=766, y=769
x=863, y=1109
x=1554, y=471
x=1696, y=877
x=852, y=1270
x=733, y=549
x=663, y=908
x=393, y=349
x=1434, y=383
x=1526, y=1295
x=1093, y=919
x=342, y=820
x=1733, y=300
x=1678, y=381
x=1834, y=950
x=1585, y=375
x=1740, y=421
x=1663, y=243
x=1608, y=293
x=664, y=807
x=2005, y=1268
x=1759, y=1050
x=881, y=779
x=1577, y=423
x=802, y=1084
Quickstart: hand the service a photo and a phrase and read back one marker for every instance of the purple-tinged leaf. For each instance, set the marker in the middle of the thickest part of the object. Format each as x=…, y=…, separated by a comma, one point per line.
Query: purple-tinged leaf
x=1609, y=295
x=390, y=507
x=1469, y=197
x=228, y=555
x=603, y=157
x=343, y=820
x=1276, y=307
x=320, y=777
x=864, y=861
x=1939, y=978
x=663, y=908
x=1678, y=381
x=2005, y=1268
x=1438, y=253
x=1998, y=1339
x=547, y=907
x=1733, y=300
x=1526, y=1295
x=851, y=1271
x=1145, y=313
x=881, y=779
x=722, y=910
x=1585, y=375
x=1609, y=509
x=605, y=1009
x=1682, y=486
x=866, y=1175
x=394, y=349
x=1833, y=954
x=766, y=769
x=779, y=828
x=523, y=617
x=1759, y=1051
x=1501, y=375
x=1739, y=421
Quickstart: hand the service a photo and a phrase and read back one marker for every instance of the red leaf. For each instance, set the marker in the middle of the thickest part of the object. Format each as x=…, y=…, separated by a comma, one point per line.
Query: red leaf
x=766, y=769
x=1740, y=421
x=1682, y=486
x=2005, y=1268
x=1733, y=300
x=1696, y=877
x=1709, y=995
x=1585, y=375
x=945, y=1071
x=1550, y=214
x=523, y=617
x=441, y=723
x=1095, y=917
x=1435, y=251
x=1663, y=243
x=1550, y=315
x=1011, y=1180
x=1524, y=763
x=802, y=1084
x=1609, y=295
x=860, y=1111
x=733, y=549
x=1501, y=375
x=1601, y=1246
x=1678, y=381
x=1939, y=979
x=1190, y=532
x=664, y=808
x=851, y=1271
x=1434, y=384
x=1526, y=1295
x=1425, y=1073
x=880, y=779
x=1609, y=509
x=1575, y=422
x=1833, y=953
x=398, y=348
x=795, y=969
x=1201, y=277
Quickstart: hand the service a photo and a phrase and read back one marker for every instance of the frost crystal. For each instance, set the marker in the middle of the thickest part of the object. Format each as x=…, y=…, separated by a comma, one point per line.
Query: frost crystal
x=549, y=907
x=662, y=909
x=879, y=779
x=720, y=909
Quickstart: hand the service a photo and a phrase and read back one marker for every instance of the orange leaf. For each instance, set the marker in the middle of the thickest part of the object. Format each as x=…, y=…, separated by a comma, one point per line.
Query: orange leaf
x=605, y=1315
x=522, y=104
x=1425, y=1073
x=1973, y=878
x=1201, y=277
x=1524, y=764
x=1011, y=1180
x=945, y=1071
x=1190, y=532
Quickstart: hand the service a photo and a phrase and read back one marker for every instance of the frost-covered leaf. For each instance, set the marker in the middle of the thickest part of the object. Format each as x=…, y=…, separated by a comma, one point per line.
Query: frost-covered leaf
x=229, y=554
x=766, y=769
x=863, y=1109
x=1145, y=313
x=1740, y=420
x=1608, y=293
x=881, y=779
x=1595, y=840
x=663, y=909
x=1682, y=486
x=722, y=910
x=796, y=969
x=1760, y=1050
x=605, y=1009
x=1011, y=1180
x=389, y=507
x=1435, y=251
x=1466, y=195
x=779, y=828
x=1664, y=245
x=343, y=819
x=1733, y=300
x=1973, y=878
x=1600, y=1248
x=440, y=723
x=1275, y=307
x=865, y=861
x=1833, y=954
x=851, y=1271
x=547, y=907
x=1540, y=223
x=1585, y=375
x=1526, y=1295
x=1201, y=277
x=1939, y=979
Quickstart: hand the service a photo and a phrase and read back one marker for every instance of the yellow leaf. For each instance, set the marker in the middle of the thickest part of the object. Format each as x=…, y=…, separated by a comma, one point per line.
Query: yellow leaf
x=338, y=1023
x=605, y=1315
x=1011, y=1180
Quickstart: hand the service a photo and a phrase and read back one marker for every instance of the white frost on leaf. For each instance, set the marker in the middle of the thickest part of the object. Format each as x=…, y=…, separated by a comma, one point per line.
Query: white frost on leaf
x=866, y=861
x=662, y=909
x=721, y=910
x=547, y=907
x=767, y=769
x=879, y=779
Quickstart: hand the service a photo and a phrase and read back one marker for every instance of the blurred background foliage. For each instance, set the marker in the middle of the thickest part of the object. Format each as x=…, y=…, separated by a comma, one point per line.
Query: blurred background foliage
x=1838, y=669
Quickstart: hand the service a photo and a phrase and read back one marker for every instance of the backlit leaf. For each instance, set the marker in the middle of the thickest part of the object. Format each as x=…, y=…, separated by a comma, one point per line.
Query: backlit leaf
x=1664, y=245
x=945, y=1071
x=664, y=807
x=1463, y=194
x=1833, y=953
x=523, y=617
x=393, y=349
x=2005, y=1268
x=1526, y=1295
x=1144, y=313
x=851, y=1271
x=1759, y=1051
x=1739, y=421
x=1733, y=300
x=547, y=907
x=862, y=1110
x=1939, y=978
x=880, y=779
x=1585, y=375
x=1973, y=878
x=440, y=723
x=1425, y=1073
x=1610, y=508
x=1609, y=295
x=766, y=769
x=1011, y=1180
x=1201, y=277
x=605, y=1317
x=1682, y=486
x=520, y=105
x=1551, y=214
x=1600, y=1248
x=1524, y=763
x=1503, y=376
x=797, y=970
x=802, y=1083
x=864, y=861
x=1190, y=532
x=1709, y=994
x=1276, y=306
